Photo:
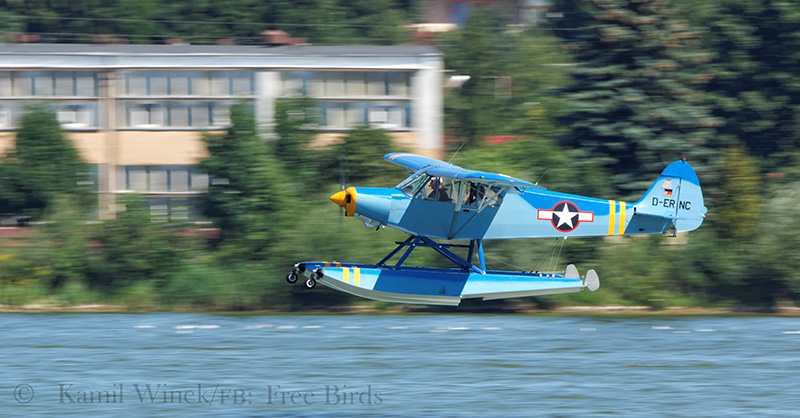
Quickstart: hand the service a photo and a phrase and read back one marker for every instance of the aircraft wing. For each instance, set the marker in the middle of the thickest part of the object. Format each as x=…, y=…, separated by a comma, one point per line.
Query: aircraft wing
x=414, y=162
x=480, y=177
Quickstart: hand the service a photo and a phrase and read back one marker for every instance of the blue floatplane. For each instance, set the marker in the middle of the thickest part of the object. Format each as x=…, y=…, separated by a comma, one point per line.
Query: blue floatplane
x=443, y=201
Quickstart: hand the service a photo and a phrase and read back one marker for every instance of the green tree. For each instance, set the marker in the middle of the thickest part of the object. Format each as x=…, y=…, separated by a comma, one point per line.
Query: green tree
x=42, y=165
x=145, y=21
x=737, y=204
x=248, y=197
x=295, y=120
x=512, y=75
x=365, y=148
x=58, y=252
x=472, y=50
x=637, y=93
x=753, y=73
x=771, y=259
x=380, y=21
x=132, y=248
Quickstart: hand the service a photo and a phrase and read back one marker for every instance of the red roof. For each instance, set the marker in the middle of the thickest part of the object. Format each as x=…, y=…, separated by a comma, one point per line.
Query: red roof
x=500, y=139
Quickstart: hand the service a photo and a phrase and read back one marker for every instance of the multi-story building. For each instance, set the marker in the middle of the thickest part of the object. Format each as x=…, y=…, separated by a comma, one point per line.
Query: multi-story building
x=137, y=113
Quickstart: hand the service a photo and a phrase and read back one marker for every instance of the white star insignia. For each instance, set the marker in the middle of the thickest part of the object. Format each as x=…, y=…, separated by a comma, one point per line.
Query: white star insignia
x=565, y=216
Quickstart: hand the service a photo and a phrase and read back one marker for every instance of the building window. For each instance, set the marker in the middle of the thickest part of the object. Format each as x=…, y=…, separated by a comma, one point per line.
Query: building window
x=390, y=116
x=162, y=179
x=5, y=116
x=242, y=83
x=71, y=115
x=170, y=190
x=201, y=114
x=355, y=84
x=77, y=115
x=178, y=83
x=145, y=115
x=220, y=115
x=5, y=84
x=295, y=83
x=188, y=83
x=346, y=84
x=399, y=84
x=174, y=208
x=22, y=84
x=181, y=115
x=42, y=83
x=65, y=83
x=48, y=83
x=383, y=115
x=178, y=114
x=376, y=83
x=334, y=84
x=157, y=83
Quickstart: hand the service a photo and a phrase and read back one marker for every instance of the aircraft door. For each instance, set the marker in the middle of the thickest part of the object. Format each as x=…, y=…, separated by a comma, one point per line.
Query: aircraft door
x=430, y=208
x=475, y=207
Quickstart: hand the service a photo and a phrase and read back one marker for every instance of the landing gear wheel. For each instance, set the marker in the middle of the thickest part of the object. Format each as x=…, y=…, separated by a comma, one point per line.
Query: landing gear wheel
x=310, y=283
x=291, y=278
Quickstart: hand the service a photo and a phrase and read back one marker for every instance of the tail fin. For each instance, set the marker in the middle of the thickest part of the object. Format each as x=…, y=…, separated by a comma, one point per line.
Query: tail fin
x=673, y=202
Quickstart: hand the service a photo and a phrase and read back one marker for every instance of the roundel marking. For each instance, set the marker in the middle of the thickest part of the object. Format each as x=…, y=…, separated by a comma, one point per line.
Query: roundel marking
x=565, y=216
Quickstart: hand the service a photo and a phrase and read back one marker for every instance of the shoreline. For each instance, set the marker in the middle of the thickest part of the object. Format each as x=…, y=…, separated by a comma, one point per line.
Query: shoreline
x=422, y=309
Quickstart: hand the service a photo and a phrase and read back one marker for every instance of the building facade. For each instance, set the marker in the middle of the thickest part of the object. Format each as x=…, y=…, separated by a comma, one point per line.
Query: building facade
x=137, y=113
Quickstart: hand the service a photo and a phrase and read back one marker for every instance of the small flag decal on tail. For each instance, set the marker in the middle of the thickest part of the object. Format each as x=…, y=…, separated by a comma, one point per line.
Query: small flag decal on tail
x=667, y=186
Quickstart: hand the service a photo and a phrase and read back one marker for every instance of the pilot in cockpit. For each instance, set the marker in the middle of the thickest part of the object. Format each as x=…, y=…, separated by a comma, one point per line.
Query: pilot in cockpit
x=438, y=191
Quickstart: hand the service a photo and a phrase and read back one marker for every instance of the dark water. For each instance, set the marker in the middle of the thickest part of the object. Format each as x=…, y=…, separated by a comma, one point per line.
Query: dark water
x=165, y=364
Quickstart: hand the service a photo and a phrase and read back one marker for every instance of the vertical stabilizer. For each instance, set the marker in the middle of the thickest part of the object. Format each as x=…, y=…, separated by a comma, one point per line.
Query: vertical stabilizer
x=674, y=200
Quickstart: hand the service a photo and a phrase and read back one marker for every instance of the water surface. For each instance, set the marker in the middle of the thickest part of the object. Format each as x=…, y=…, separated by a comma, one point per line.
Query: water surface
x=165, y=364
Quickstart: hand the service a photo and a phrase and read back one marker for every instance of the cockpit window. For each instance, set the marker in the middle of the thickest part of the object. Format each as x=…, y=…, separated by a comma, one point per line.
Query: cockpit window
x=482, y=195
x=438, y=189
x=410, y=185
x=493, y=196
x=471, y=196
x=441, y=189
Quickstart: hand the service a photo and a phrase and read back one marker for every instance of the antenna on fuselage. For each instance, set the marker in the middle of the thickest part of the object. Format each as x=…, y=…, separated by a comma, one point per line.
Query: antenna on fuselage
x=454, y=154
x=542, y=176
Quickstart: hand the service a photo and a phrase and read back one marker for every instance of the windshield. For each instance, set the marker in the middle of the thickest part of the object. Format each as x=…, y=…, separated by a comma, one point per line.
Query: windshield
x=413, y=183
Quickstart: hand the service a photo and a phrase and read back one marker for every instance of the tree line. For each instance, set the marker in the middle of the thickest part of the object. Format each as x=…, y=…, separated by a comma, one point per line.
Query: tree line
x=597, y=104
x=204, y=21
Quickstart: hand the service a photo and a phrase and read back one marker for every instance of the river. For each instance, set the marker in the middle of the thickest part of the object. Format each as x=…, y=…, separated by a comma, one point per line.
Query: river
x=392, y=365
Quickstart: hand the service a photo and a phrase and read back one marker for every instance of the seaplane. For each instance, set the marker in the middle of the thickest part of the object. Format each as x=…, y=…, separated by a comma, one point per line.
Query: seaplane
x=441, y=201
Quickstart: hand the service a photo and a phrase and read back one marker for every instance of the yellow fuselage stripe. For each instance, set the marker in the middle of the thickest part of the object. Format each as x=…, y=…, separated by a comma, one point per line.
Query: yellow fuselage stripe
x=621, y=218
x=357, y=276
x=346, y=275
x=612, y=210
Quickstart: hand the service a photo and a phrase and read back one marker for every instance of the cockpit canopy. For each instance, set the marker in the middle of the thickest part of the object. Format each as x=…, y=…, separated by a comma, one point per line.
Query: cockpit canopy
x=463, y=193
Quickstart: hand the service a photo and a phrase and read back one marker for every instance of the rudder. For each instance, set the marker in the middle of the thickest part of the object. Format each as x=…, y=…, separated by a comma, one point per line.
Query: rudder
x=675, y=199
